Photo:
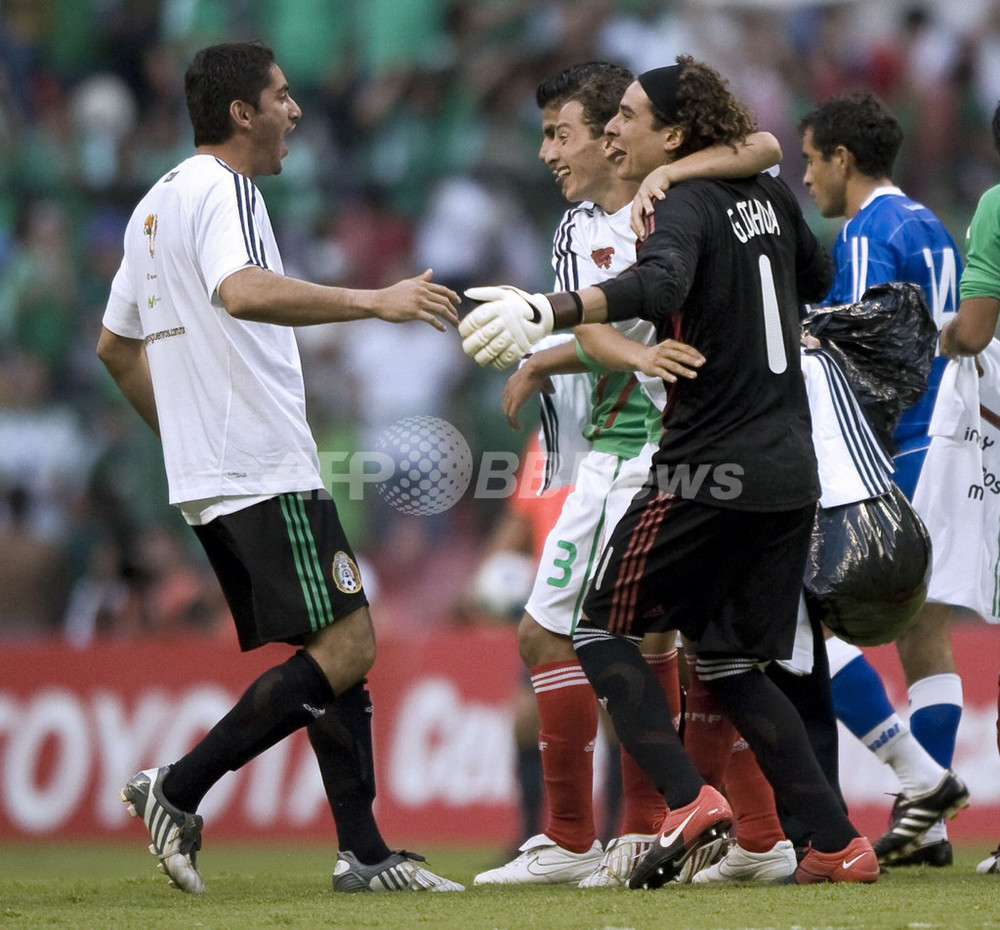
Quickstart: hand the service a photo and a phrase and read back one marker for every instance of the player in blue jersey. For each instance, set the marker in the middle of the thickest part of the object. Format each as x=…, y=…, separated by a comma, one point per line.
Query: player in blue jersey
x=850, y=144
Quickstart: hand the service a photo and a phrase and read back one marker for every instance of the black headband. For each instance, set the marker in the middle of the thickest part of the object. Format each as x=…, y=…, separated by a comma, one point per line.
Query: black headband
x=661, y=86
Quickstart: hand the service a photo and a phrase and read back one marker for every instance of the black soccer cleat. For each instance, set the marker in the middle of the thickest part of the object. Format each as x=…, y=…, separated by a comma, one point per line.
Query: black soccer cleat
x=402, y=871
x=913, y=817
x=691, y=838
x=938, y=855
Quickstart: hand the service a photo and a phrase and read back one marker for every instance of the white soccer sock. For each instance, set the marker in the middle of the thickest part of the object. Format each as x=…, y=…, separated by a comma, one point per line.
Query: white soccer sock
x=945, y=688
x=894, y=744
x=840, y=654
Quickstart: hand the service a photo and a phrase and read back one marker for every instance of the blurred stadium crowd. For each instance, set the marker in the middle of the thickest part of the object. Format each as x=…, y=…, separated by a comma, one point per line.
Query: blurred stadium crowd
x=417, y=149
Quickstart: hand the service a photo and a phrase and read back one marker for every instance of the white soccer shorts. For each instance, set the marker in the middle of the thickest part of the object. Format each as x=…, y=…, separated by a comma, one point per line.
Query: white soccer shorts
x=605, y=486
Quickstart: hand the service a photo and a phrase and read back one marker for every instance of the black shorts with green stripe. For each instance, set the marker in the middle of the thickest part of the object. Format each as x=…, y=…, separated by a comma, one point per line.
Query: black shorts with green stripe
x=285, y=567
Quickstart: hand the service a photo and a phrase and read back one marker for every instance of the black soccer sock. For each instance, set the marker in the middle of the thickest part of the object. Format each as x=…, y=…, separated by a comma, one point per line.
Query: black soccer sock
x=278, y=703
x=342, y=741
x=639, y=710
x=614, y=796
x=811, y=695
x=772, y=727
x=530, y=788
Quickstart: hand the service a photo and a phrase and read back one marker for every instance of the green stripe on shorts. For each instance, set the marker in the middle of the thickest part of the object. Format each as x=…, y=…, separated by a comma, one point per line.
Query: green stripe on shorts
x=592, y=557
x=307, y=564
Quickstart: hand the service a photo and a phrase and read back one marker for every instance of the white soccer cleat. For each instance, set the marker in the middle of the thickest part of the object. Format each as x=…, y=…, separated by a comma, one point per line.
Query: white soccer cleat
x=739, y=865
x=991, y=864
x=620, y=857
x=176, y=834
x=543, y=862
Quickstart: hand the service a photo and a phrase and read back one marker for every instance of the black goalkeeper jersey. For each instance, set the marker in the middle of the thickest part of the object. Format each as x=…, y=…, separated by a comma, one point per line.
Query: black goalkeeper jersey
x=726, y=269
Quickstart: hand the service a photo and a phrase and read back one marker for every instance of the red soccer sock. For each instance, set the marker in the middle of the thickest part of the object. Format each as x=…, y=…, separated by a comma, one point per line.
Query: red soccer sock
x=757, y=825
x=708, y=732
x=664, y=666
x=567, y=715
x=644, y=807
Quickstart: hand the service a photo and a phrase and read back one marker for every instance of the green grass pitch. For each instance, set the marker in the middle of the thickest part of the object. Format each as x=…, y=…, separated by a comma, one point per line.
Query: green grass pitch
x=108, y=887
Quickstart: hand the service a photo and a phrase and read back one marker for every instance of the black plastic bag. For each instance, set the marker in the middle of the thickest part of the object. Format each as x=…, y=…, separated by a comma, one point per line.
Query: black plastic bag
x=885, y=344
x=868, y=568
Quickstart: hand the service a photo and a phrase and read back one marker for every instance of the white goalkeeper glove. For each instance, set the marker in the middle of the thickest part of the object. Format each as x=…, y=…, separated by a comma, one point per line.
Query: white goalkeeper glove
x=506, y=324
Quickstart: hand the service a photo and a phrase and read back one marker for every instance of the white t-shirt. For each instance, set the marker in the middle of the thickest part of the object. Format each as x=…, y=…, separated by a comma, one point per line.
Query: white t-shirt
x=591, y=246
x=229, y=393
x=958, y=492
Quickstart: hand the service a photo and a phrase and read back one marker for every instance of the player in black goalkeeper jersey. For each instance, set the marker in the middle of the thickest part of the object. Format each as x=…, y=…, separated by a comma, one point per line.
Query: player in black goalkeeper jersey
x=715, y=544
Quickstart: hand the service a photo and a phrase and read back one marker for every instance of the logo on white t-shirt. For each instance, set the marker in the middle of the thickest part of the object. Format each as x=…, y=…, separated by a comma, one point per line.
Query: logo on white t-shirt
x=602, y=257
x=149, y=231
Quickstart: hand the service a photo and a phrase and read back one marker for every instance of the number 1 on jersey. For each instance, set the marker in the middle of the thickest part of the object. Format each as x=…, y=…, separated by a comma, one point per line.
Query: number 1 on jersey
x=774, y=341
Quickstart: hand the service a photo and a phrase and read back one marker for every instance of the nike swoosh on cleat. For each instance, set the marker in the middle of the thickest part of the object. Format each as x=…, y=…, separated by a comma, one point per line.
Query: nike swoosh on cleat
x=536, y=316
x=540, y=868
x=670, y=838
x=847, y=863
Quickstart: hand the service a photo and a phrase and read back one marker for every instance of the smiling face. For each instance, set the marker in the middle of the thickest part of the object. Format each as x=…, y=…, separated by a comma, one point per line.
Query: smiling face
x=271, y=120
x=636, y=146
x=578, y=160
x=825, y=178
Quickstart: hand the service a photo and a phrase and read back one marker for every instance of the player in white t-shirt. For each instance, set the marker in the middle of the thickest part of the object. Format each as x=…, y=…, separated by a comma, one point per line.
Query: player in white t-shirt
x=197, y=334
x=593, y=243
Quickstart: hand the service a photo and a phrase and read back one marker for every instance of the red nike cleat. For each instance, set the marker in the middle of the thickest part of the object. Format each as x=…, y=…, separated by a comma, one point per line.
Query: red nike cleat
x=691, y=838
x=856, y=862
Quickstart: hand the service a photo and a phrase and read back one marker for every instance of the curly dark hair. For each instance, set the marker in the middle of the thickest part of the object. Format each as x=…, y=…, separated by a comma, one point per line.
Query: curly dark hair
x=217, y=76
x=707, y=111
x=597, y=86
x=861, y=123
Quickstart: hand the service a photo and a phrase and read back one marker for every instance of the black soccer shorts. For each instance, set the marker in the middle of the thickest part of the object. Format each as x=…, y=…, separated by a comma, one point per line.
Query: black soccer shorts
x=729, y=580
x=285, y=567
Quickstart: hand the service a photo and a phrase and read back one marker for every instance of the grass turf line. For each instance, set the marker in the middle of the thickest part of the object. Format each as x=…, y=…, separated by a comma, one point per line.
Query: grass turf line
x=110, y=887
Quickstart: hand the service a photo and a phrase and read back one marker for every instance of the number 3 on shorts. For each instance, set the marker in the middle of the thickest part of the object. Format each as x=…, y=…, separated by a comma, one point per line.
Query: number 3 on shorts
x=565, y=563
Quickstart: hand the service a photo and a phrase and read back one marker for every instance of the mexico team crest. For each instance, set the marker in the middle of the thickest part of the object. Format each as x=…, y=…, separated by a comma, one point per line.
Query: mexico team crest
x=346, y=576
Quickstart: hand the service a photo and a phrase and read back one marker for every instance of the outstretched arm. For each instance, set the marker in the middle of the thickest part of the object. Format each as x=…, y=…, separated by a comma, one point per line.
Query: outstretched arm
x=265, y=297
x=509, y=321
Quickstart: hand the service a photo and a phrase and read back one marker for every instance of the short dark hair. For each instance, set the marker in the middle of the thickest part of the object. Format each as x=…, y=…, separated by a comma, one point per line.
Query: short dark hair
x=707, y=111
x=217, y=76
x=861, y=123
x=995, y=126
x=598, y=86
